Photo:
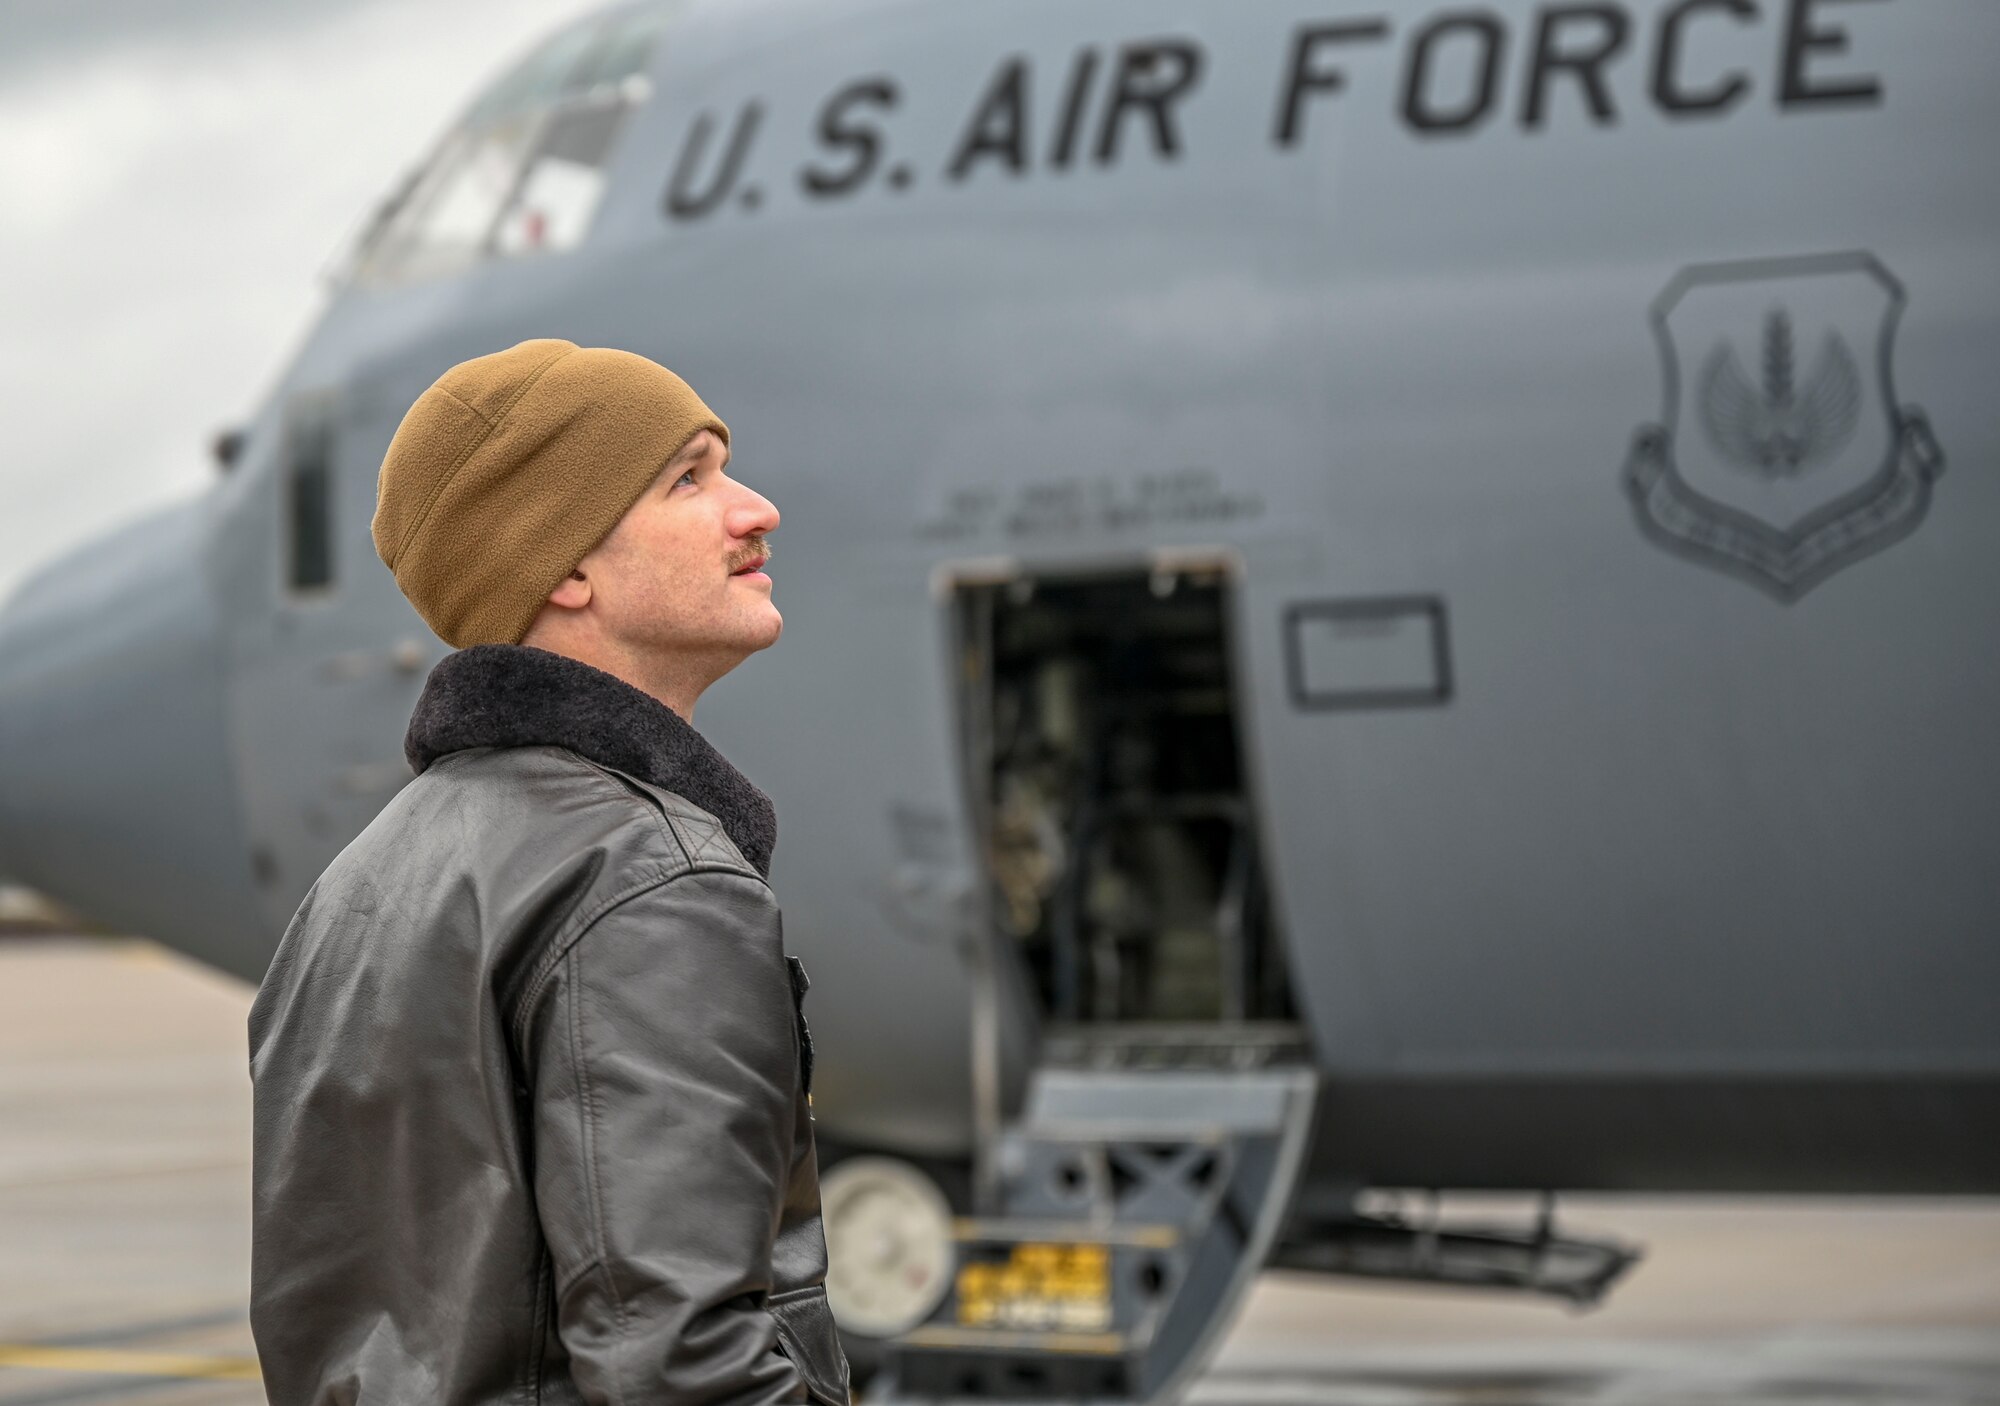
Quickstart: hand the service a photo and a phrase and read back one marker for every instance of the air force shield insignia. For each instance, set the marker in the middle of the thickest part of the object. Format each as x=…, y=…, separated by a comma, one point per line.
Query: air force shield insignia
x=1781, y=454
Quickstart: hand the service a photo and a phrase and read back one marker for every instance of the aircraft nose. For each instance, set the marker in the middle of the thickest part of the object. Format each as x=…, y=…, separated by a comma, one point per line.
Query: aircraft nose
x=115, y=790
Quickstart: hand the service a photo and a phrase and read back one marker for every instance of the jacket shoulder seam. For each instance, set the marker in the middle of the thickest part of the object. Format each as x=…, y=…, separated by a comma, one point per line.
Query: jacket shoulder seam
x=643, y=803
x=675, y=861
x=561, y=946
x=646, y=803
x=670, y=822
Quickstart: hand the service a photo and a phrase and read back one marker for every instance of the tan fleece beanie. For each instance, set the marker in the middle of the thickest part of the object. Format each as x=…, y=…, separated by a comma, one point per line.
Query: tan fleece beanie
x=511, y=467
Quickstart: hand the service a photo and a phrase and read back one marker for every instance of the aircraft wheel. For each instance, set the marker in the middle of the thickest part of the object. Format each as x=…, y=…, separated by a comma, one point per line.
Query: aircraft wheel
x=890, y=1251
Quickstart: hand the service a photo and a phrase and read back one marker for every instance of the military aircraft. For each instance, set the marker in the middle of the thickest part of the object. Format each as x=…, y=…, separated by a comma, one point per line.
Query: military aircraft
x=1372, y=597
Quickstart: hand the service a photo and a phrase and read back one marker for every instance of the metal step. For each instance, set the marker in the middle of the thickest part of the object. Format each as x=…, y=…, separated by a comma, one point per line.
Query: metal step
x=1536, y=1258
x=1135, y=1208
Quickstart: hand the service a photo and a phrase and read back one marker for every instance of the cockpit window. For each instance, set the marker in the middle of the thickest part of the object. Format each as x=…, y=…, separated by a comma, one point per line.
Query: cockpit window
x=523, y=171
x=309, y=492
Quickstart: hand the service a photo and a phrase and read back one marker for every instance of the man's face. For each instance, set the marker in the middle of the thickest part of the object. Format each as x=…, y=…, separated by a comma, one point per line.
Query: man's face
x=678, y=574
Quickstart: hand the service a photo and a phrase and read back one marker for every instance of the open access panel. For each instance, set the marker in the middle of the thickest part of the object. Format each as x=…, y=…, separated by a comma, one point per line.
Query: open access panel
x=1129, y=1193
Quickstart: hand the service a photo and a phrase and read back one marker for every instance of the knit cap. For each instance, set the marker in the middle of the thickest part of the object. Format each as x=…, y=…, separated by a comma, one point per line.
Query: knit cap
x=511, y=467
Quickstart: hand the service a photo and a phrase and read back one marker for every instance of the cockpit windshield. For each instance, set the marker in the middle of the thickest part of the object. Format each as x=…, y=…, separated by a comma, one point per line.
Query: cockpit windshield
x=524, y=170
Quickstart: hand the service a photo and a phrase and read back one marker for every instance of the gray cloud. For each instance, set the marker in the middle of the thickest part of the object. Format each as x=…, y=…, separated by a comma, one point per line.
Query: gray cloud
x=44, y=36
x=176, y=190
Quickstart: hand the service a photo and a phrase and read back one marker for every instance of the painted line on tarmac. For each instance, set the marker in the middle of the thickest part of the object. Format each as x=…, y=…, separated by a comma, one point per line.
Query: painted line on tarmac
x=110, y=1362
x=112, y=1335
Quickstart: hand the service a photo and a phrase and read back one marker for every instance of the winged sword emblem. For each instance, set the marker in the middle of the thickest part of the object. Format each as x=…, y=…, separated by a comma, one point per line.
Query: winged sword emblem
x=1777, y=468
x=1779, y=429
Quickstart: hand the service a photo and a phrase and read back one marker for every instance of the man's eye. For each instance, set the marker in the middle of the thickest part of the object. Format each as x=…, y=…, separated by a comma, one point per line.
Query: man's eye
x=687, y=477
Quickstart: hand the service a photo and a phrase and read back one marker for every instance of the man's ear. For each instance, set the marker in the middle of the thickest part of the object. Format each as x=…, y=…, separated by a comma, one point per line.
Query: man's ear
x=573, y=591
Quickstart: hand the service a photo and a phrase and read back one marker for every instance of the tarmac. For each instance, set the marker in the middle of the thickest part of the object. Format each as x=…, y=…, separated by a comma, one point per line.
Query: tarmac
x=125, y=1251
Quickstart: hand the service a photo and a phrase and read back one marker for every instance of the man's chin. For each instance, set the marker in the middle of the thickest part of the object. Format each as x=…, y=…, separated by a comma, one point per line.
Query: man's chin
x=761, y=629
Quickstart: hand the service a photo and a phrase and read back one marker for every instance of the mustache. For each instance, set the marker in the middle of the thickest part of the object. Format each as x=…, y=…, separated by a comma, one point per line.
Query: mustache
x=749, y=552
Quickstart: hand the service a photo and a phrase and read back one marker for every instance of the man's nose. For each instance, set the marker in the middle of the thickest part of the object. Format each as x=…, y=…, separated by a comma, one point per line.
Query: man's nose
x=752, y=514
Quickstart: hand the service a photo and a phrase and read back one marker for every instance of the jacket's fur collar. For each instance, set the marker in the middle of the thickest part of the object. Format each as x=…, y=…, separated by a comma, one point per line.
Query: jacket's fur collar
x=515, y=695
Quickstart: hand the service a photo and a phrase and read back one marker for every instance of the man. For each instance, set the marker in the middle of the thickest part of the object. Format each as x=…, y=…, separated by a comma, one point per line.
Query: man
x=531, y=1071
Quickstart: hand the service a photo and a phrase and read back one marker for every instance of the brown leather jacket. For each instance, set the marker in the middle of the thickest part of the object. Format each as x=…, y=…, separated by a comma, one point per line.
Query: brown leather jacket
x=531, y=1076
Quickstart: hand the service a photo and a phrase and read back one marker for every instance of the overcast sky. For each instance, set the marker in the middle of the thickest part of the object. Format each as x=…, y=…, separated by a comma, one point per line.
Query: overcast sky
x=178, y=175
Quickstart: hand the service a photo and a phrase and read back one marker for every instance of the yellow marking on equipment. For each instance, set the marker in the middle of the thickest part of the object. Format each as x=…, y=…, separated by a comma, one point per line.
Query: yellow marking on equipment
x=1038, y=1286
x=130, y=1364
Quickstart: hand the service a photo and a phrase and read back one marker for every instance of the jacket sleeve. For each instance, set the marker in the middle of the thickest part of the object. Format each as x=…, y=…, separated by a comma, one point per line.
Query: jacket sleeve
x=664, y=1068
